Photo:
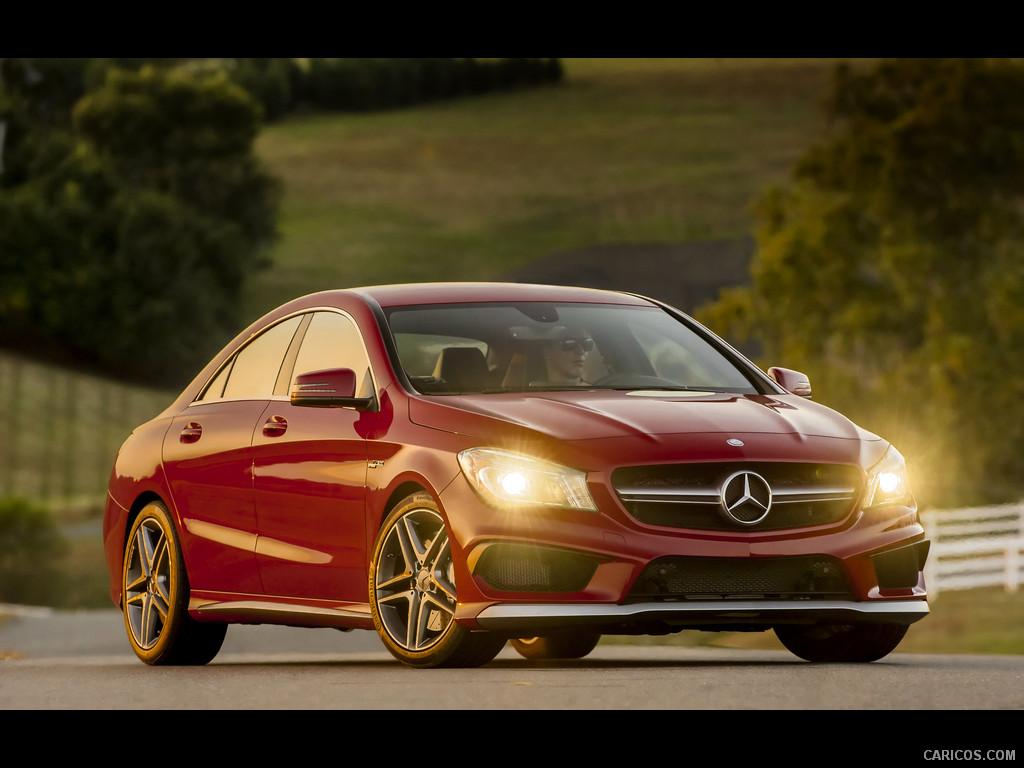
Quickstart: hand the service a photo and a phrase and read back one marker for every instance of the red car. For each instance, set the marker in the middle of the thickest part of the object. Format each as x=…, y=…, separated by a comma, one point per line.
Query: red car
x=461, y=465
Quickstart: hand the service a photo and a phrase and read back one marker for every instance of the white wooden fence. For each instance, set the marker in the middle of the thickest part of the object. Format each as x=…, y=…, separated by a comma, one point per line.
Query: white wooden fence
x=974, y=547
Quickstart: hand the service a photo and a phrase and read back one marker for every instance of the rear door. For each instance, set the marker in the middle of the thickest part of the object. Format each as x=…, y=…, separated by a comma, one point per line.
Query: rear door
x=208, y=462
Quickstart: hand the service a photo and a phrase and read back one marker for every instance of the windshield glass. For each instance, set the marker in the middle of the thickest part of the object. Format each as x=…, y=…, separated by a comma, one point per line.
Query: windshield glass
x=481, y=348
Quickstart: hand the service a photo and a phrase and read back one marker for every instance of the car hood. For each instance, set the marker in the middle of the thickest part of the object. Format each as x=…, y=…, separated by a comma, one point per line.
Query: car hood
x=644, y=418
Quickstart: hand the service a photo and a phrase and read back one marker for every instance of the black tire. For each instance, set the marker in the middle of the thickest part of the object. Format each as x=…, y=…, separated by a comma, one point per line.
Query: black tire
x=564, y=645
x=155, y=593
x=412, y=592
x=841, y=642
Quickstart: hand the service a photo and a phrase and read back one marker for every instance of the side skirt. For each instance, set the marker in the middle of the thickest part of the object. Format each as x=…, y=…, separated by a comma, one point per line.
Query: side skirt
x=348, y=616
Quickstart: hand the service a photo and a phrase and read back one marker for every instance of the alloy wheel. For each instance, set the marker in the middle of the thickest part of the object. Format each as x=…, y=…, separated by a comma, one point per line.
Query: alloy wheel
x=415, y=581
x=148, y=584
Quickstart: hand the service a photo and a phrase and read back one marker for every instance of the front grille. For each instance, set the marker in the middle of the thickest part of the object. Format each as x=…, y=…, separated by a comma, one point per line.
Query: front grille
x=714, y=578
x=528, y=568
x=691, y=495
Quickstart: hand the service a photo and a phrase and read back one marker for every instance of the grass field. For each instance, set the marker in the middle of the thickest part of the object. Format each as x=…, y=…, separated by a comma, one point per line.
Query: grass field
x=625, y=150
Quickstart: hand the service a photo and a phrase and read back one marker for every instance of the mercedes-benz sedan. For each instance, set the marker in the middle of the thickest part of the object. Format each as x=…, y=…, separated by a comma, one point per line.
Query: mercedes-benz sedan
x=457, y=466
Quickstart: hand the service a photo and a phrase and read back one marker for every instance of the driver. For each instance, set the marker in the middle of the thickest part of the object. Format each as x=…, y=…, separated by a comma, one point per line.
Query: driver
x=566, y=355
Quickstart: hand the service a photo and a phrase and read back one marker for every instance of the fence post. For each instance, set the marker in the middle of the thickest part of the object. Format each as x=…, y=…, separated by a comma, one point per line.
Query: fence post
x=931, y=530
x=72, y=451
x=13, y=433
x=1013, y=554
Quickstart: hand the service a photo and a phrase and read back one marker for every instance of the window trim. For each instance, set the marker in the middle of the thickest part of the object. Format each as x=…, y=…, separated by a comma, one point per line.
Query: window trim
x=286, y=372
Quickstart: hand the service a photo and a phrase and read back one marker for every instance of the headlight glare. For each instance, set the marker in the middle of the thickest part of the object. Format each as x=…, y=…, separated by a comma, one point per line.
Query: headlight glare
x=887, y=481
x=507, y=479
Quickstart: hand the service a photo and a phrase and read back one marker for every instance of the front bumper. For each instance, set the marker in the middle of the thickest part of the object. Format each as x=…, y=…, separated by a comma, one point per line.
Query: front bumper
x=526, y=573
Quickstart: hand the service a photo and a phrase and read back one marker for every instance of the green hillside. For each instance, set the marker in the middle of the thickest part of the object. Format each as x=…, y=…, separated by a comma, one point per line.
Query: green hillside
x=624, y=151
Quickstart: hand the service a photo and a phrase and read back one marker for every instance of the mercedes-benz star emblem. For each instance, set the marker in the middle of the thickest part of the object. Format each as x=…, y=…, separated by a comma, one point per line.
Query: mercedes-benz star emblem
x=746, y=498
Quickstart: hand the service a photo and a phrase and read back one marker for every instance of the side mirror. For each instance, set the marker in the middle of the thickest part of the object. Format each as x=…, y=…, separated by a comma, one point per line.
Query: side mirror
x=333, y=388
x=791, y=381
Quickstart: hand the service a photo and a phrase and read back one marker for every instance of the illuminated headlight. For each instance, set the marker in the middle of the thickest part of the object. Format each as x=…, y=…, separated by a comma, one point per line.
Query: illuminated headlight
x=887, y=481
x=508, y=479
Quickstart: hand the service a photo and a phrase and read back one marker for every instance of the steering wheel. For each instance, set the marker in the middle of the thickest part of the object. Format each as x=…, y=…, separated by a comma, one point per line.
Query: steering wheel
x=635, y=381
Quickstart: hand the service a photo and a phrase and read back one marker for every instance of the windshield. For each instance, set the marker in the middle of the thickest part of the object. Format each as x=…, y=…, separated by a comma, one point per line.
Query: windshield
x=482, y=348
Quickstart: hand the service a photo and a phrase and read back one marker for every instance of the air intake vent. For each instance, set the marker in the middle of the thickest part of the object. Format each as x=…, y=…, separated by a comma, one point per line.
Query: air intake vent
x=527, y=568
x=900, y=568
x=713, y=578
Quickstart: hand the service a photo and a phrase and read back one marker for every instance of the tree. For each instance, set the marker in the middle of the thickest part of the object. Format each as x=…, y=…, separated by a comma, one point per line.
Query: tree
x=138, y=221
x=891, y=268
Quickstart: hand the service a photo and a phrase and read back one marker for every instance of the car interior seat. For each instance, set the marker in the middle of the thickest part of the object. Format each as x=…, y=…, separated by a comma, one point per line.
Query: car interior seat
x=461, y=369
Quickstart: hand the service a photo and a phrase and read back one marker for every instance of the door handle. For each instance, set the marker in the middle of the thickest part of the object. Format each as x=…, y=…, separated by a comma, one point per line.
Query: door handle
x=275, y=426
x=191, y=433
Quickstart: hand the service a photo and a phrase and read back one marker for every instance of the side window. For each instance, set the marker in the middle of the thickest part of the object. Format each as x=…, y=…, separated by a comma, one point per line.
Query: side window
x=333, y=341
x=254, y=370
x=215, y=389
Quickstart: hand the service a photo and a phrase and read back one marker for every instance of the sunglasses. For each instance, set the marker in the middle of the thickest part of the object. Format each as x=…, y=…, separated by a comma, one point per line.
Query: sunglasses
x=571, y=345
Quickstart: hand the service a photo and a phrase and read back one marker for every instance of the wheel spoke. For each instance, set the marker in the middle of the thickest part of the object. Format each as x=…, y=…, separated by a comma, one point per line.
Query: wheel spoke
x=440, y=606
x=150, y=541
x=443, y=574
x=436, y=548
x=153, y=619
x=141, y=558
x=415, y=622
x=396, y=586
x=414, y=548
x=137, y=583
x=161, y=573
x=161, y=603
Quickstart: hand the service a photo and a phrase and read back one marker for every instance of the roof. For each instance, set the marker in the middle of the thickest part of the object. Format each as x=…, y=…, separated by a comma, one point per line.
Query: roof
x=463, y=292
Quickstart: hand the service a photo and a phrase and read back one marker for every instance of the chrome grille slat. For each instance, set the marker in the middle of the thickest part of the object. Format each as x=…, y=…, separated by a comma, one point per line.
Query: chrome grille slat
x=781, y=496
x=670, y=498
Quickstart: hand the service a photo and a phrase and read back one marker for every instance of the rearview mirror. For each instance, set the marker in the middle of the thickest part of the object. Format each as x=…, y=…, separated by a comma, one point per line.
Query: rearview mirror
x=791, y=381
x=332, y=388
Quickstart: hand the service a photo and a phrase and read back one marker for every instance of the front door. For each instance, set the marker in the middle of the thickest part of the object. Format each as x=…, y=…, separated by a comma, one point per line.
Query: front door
x=309, y=468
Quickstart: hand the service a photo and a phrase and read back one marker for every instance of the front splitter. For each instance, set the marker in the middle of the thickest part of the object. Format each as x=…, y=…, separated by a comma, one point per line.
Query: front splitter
x=696, y=614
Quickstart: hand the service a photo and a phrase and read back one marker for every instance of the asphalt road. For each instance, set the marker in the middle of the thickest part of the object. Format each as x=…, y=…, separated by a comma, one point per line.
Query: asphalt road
x=80, y=660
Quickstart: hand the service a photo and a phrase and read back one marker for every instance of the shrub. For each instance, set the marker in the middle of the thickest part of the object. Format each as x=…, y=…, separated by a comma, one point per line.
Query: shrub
x=30, y=549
